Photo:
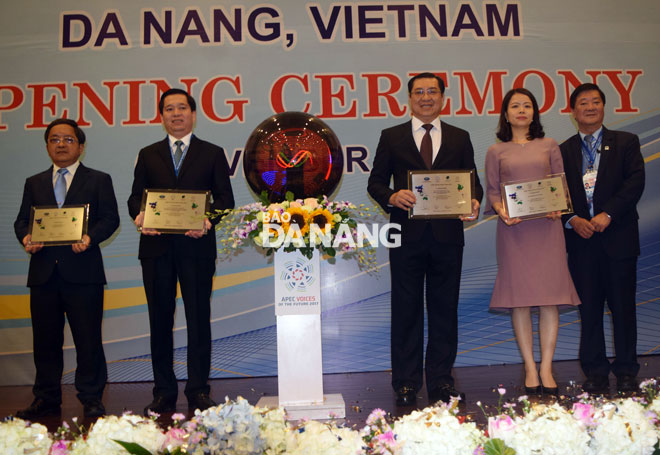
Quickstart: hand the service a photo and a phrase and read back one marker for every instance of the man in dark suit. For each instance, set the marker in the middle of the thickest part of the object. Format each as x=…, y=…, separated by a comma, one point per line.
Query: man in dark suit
x=605, y=175
x=181, y=162
x=431, y=251
x=67, y=280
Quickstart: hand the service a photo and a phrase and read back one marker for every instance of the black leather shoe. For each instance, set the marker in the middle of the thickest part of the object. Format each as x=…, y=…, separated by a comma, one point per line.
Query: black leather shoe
x=596, y=385
x=200, y=401
x=93, y=408
x=627, y=383
x=444, y=393
x=39, y=408
x=406, y=396
x=161, y=405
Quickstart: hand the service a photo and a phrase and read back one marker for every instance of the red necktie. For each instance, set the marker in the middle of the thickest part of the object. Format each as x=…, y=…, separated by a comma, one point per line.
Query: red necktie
x=426, y=149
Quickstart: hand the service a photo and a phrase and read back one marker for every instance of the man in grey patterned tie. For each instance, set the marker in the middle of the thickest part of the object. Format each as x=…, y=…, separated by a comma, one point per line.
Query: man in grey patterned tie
x=605, y=175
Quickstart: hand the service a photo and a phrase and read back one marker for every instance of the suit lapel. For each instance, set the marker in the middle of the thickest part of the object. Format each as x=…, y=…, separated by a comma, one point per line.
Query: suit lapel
x=579, y=199
x=165, y=154
x=189, y=157
x=46, y=180
x=606, y=150
x=76, y=184
x=407, y=146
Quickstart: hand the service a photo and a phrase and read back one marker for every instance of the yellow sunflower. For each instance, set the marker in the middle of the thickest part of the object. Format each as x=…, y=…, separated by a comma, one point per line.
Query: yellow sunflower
x=322, y=218
x=297, y=216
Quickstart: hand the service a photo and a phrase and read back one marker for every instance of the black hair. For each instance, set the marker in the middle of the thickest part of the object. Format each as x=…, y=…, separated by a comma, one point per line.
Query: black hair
x=80, y=134
x=426, y=75
x=504, y=132
x=586, y=87
x=176, y=91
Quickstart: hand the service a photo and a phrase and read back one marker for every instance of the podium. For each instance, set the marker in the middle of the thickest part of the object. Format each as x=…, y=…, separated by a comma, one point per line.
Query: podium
x=299, y=345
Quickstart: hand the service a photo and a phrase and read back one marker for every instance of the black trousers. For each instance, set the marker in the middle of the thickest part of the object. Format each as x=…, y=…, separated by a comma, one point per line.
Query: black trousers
x=195, y=276
x=416, y=267
x=83, y=306
x=599, y=278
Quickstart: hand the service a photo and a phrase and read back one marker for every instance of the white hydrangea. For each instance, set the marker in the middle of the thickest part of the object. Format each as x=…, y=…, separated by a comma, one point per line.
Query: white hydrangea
x=323, y=439
x=623, y=427
x=18, y=437
x=436, y=430
x=274, y=429
x=547, y=430
x=233, y=428
x=127, y=428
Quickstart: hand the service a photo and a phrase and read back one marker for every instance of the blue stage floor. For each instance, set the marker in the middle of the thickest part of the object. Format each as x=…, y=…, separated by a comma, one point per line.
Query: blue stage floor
x=356, y=336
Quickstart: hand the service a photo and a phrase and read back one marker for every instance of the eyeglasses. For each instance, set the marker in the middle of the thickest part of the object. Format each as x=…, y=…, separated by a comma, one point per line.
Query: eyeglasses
x=55, y=140
x=429, y=92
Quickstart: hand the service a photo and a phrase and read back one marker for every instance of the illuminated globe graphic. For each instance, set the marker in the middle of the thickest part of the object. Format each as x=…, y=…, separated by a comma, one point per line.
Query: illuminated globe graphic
x=296, y=152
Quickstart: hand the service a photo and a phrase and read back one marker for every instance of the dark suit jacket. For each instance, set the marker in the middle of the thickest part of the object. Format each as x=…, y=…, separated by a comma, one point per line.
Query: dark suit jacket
x=619, y=185
x=396, y=154
x=87, y=187
x=204, y=168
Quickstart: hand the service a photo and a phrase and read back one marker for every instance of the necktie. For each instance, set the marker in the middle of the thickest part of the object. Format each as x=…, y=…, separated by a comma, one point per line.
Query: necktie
x=178, y=153
x=60, y=187
x=426, y=148
x=589, y=139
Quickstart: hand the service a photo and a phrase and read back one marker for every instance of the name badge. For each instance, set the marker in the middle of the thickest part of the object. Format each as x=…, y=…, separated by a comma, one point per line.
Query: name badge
x=589, y=181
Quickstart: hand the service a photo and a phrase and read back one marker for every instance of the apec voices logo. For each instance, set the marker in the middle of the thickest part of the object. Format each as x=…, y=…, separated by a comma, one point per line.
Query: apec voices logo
x=298, y=275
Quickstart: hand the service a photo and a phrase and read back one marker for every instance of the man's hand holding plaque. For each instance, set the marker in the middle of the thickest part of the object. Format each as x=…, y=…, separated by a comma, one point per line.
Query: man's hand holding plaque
x=441, y=194
x=174, y=212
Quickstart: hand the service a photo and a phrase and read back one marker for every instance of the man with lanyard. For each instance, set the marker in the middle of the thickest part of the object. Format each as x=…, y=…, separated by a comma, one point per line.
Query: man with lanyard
x=180, y=161
x=605, y=175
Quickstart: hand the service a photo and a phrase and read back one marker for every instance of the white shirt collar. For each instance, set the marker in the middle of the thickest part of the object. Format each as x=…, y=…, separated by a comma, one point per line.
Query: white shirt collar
x=185, y=139
x=594, y=134
x=417, y=123
x=72, y=169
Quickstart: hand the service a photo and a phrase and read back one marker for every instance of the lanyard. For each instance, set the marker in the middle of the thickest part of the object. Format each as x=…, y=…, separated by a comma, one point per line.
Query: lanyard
x=591, y=152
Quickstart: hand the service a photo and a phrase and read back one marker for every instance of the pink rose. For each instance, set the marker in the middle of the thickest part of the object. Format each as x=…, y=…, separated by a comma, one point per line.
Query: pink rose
x=387, y=438
x=584, y=413
x=311, y=202
x=174, y=438
x=59, y=448
x=500, y=425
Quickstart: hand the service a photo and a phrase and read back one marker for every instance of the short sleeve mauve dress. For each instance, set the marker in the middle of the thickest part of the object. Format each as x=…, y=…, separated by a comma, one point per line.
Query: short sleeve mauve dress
x=531, y=256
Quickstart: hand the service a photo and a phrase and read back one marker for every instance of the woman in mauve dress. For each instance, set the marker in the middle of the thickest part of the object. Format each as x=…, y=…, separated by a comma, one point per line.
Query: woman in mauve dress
x=531, y=255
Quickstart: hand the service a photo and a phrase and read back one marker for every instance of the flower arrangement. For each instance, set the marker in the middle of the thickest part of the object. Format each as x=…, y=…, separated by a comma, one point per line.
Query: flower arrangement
x=18, y=437
x=300, y=224
x=312, y=437
x=590, y=427
x=437, y=429
x=237, y=428
x=378, y=435
x=103, y=436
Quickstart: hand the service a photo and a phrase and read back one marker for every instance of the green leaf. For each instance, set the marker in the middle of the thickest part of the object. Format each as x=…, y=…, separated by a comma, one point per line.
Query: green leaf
x=497, y=447
x=330, y=252
x=289, y=196
x=656, y=448
x=133, y=448
x=263, y=197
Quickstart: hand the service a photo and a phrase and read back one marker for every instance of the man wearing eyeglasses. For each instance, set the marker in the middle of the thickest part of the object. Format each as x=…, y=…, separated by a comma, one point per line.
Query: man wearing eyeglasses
x=430, y=256
x=67, y=280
